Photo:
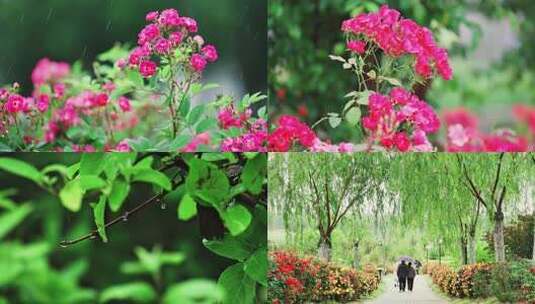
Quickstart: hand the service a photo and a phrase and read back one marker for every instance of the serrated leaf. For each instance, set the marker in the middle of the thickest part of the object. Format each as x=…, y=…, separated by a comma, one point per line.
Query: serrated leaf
x=90, y=182
x=334, y=122
x=207, y=182
x=239, y=287
x=256, y=266
x=187, y=208
x=353, y=116
x=99, y=212
x=119, y=192
x=195, y=114
x=254, y=173
x=237, y=218
x=21, y=168
x=71, y=195
x=153, y=177
x=92, y=163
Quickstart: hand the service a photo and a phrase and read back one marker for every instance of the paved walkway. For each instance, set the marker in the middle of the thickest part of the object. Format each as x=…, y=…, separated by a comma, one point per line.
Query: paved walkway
x=422, y=293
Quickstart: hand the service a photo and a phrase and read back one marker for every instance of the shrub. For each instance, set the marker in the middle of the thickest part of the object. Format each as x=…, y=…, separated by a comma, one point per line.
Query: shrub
x=292, y=279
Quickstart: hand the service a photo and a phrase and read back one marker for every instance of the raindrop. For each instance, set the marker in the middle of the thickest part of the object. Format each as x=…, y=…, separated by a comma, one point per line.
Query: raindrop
x=93, y=237
x=63, y=244
x=108, y=27
x=125, y=217
x=22, y=18
x=49, y=15
x=163, y=206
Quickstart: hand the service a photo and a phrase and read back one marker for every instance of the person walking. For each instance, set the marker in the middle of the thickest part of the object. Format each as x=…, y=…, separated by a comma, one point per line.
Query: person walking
x=402, y=273
x=411, y=274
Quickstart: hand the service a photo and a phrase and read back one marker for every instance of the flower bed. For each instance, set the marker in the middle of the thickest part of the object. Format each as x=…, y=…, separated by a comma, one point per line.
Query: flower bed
x=292, y=279
x=509, y=282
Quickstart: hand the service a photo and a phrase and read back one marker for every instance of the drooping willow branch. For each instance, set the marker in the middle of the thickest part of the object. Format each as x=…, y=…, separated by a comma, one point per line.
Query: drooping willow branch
x=124, y=217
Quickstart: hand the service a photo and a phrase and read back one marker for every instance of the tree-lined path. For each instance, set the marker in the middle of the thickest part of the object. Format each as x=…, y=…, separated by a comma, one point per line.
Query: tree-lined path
x=422, y=293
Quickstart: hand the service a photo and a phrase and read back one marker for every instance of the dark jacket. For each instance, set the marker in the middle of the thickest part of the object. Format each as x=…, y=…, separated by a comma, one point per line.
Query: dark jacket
x=411, y=273
x=403, y=271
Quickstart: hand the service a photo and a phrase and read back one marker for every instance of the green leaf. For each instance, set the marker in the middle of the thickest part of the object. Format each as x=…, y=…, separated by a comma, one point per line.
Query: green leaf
x=237, y=218
x=334, y=121
x=256, y=266
x=153, y=177
x=229, y=247
x=139, y=292
x=9, y=220
x=99, y=212
x=119, y=192
x=206, y=124
x=353, y=116
x=254, y=173
x=239, y=287
x=179, y=142
x=92, y=163
x=61, y=169
x=71, y=195
x=90, y=182
x=195, y=115
x=193, y=292
x=187, y=208
x=71, y=171
x=207, y=182
x=21, y=168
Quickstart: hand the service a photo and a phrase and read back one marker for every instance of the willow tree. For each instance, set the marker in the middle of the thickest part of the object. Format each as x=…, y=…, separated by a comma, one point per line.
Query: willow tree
x=323, y=188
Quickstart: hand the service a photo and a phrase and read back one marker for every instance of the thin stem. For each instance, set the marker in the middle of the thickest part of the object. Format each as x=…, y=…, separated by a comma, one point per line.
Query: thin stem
x=94, y=233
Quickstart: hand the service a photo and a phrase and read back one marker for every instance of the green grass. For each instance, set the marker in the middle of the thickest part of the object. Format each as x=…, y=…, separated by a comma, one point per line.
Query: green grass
x=457, y=300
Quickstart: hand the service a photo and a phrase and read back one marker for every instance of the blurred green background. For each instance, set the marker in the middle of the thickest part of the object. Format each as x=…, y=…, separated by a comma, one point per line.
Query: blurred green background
x=52, y=276
x=72, y=30
x=490, y=43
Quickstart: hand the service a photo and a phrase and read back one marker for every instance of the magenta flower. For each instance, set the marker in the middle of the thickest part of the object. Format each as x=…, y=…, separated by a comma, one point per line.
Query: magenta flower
x=14, y=103
x=210, y=53
x=198, y=63
x=43, y=102
x=358, y=47
x=147, y=68
x=124, y=104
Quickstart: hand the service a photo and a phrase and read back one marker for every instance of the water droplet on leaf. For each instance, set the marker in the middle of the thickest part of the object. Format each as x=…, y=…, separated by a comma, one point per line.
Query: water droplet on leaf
x=163, y=206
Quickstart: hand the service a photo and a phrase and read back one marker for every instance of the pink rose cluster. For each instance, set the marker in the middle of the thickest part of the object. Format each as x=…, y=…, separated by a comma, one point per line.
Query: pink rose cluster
x=254, y=133
x=463, y=135
x=398, y=36
x=47, y=71
x=400, y=121
x=291, y=132
x=167, y=32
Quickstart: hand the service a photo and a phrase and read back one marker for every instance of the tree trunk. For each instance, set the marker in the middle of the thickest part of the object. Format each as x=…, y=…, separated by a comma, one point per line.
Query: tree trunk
x=499, y=243
x=324, y=250
x=464, y=251
x=356, y=257
x=472, y=248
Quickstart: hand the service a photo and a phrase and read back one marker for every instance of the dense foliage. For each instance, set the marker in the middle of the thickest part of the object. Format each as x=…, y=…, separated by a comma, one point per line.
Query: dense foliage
x=511, y=282
x=225, y=193
x=293, y=279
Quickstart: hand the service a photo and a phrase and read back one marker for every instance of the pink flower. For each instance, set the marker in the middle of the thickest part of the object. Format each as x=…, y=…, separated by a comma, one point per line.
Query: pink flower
x=358, y=47
x=101, y=100
x=14, y=103
x=147, y=68
x=47, y=71
x=176, y=38
x=162, y=46
x=123, y=146
x=289, y=131
x=169, y=18
x=148, y=34
x=124, y=104
x=59, y=90
x=198, y=63
x=109, y=87
x=3, y=94
x=402, y=142
x=42, y=103
x=201, y=139
x=151, y=16
x=228, y=119
x=457, y=135
x=397, y=36
x=189, y=23
x=210, y=53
